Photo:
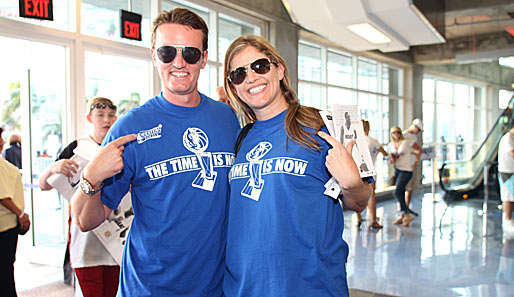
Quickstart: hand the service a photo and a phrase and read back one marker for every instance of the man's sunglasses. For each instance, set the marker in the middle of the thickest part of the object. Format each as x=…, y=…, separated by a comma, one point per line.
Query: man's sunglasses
x=260, y=66
x=102, y=105
x=167, y=53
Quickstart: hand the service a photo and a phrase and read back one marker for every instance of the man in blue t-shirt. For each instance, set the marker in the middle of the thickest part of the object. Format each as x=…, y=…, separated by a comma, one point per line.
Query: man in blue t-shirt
x=174, y=154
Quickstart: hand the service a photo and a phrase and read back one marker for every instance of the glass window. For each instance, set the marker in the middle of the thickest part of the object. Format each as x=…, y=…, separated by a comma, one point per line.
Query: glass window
x=428, y=89
x=228, y=30
x=461, y=94
x=339, y=69
x=367, y=75
x=444, y=92
x=504, y=97
x=368, y=107
x=102, y=18
x=385, y=121
x=310, y=95
x=445, y=121
x=391, y=81
x=309, y=62
x=126, y=81
x=62, y=19
x=428, y=122
x=341, y=96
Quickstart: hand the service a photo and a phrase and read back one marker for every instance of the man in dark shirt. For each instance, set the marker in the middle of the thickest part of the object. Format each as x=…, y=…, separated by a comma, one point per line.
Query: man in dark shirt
x=13, y=153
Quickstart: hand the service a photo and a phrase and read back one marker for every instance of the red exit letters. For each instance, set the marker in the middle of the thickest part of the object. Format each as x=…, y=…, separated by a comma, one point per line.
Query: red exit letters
x=130, y=25
x=131, y=30
x=37, y=8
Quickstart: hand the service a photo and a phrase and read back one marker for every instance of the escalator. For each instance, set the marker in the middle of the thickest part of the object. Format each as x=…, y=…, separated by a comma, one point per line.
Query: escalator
x=463, y=178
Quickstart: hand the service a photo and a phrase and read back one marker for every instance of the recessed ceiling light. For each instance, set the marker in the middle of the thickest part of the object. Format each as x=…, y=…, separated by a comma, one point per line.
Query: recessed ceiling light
x=369, y=33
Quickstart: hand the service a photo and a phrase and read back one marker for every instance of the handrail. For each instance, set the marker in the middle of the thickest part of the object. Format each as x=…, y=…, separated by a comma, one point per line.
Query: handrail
x=472, y=182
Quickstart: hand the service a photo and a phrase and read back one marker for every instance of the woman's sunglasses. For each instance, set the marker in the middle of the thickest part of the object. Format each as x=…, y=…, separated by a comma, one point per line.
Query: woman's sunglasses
x=260, y=66
x=167, y=53
x=396, y=132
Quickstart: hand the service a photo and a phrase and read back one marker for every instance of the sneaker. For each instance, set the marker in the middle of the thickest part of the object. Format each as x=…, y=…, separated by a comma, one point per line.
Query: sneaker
x=508, y=225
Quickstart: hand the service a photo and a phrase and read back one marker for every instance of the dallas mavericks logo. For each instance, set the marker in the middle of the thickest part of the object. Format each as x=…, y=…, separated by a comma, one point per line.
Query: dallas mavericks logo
x=196, y=141
x=153, y=133
x=254, y=186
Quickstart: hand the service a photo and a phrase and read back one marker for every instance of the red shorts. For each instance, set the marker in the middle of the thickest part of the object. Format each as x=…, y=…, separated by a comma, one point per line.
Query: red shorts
x=98, y=280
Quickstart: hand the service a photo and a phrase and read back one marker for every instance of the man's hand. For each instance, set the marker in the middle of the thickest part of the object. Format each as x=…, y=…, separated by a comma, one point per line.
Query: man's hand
x=107, y=162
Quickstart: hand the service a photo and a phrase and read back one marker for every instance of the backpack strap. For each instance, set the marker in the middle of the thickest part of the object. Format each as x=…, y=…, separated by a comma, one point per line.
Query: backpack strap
x=242, y=136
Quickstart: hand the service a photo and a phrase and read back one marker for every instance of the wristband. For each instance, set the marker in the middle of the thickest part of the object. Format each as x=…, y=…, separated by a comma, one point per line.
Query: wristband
x=21, y=215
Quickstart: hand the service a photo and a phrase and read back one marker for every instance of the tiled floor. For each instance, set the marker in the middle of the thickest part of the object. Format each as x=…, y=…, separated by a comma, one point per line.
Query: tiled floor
x=443, y=253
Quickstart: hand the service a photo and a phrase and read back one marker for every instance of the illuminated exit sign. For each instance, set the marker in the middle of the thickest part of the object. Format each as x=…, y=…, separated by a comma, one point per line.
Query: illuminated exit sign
x=130, y=25
x=37, y=9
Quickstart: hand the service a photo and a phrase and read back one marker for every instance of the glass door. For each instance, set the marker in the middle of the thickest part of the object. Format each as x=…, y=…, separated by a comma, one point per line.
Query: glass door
x=33, y=96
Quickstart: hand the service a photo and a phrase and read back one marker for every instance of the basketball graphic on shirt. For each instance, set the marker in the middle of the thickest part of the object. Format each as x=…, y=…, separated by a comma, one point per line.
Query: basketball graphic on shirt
x=259, y=151
x=254, y=186
x=195, y=140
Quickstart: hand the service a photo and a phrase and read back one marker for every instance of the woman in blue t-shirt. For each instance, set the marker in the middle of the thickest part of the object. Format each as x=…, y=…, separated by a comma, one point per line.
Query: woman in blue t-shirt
x=284, y=234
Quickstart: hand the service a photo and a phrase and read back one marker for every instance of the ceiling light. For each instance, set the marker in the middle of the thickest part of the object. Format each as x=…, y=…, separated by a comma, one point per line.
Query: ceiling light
x=369, y=33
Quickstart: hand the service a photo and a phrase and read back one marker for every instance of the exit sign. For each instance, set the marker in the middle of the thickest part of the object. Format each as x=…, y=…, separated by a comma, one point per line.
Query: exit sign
x=130, y=25
x=37, y=9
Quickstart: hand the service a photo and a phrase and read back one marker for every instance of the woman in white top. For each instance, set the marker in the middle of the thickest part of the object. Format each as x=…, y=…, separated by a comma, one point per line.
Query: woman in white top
x=374, y=149
x=400, y=152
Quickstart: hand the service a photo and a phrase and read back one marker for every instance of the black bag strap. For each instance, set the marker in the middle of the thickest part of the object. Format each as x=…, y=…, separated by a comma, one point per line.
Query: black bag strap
x=242, y=136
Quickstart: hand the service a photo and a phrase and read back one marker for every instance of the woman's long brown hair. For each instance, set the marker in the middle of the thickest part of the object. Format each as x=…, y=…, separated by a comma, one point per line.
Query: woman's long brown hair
x=297, y=115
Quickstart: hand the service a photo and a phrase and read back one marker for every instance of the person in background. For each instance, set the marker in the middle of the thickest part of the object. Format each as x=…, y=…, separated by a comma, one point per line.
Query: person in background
x=506, y=178
x=222, y=96
x=177, y=170
x=400, y=151
x=96, y=269
x=411, y=134
x=284, y=234
x=13, y=152
x=374, y=149
x=12, y=204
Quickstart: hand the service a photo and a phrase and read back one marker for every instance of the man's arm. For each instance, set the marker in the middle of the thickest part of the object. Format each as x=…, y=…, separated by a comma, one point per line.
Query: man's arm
x=341, y=165
x=22, y=217
x=418, y=151
x=382, y=150
x=511, y=153
x=88, y=210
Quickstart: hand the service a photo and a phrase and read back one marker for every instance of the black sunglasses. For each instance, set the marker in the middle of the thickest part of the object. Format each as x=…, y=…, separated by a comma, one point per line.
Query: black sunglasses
x=396, y=132
x=102, y=105
x=260, y=66
x=167, y=53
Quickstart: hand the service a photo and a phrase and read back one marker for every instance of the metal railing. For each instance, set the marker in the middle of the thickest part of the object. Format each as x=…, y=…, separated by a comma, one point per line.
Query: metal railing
x=467, y=175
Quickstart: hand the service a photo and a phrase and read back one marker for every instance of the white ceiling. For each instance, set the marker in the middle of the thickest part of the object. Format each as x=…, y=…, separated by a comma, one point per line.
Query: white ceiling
x=400, y=20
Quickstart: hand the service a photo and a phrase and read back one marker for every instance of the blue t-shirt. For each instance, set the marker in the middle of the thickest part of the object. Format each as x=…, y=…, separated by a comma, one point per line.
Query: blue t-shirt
x=284, y=235
x=177, y=169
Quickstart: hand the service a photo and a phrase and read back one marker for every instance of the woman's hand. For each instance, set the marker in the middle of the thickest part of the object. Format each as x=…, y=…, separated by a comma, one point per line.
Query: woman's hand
x=340, y=163
x=342, y=166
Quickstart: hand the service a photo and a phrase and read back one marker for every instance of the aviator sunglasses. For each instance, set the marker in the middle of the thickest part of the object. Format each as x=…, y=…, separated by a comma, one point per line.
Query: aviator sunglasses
x=167, y=53
x=260, y=66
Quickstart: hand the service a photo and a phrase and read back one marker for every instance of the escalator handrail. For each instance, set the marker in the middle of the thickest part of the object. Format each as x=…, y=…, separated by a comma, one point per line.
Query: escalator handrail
x=487, y=158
